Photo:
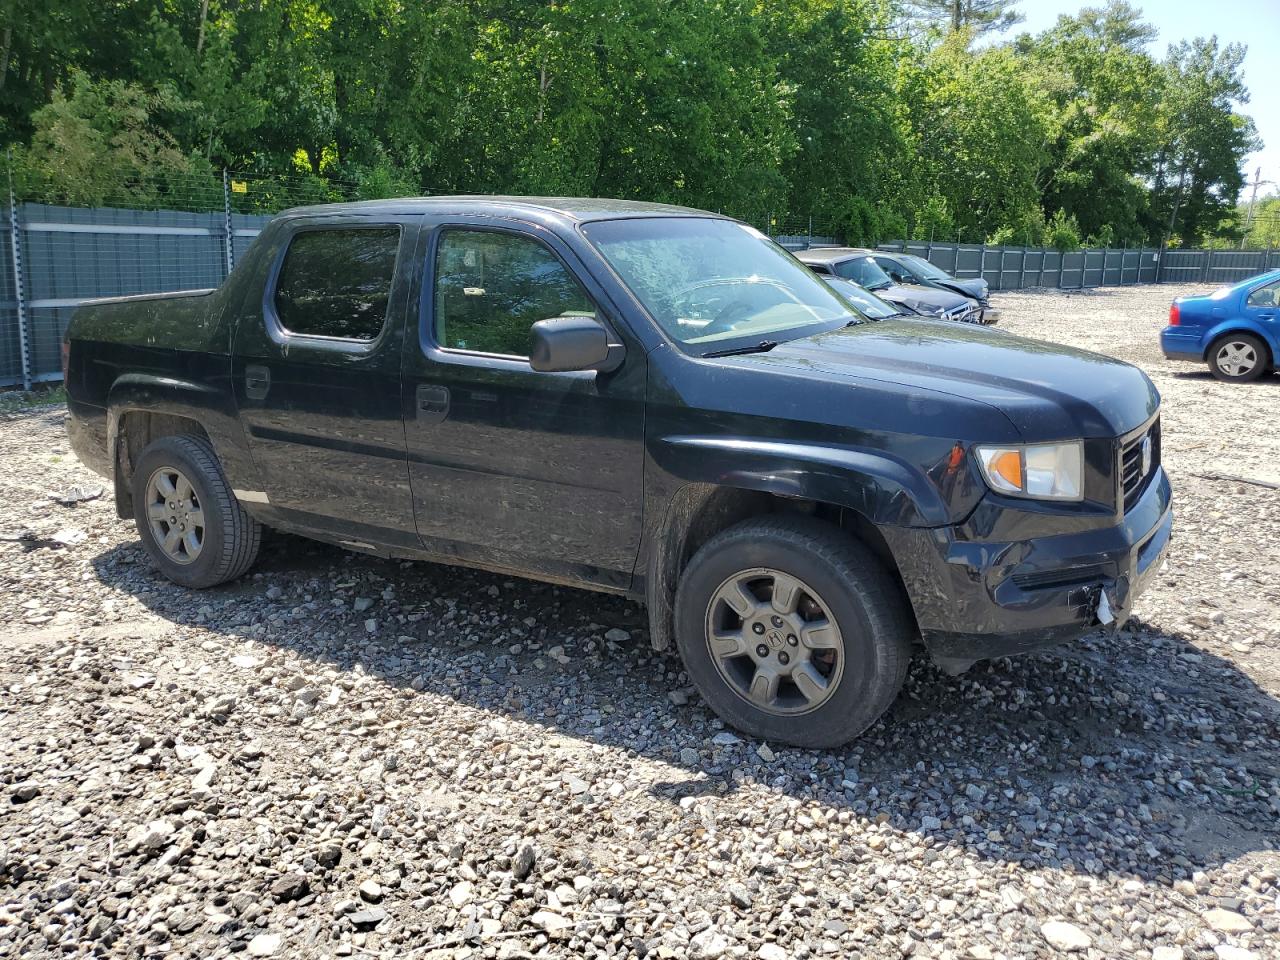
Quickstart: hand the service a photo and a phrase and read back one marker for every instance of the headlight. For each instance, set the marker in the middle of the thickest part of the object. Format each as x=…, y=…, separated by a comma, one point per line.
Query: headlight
x=1043, y=471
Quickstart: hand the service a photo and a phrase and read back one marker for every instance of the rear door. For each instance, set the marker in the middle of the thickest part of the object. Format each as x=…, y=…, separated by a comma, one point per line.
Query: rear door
x=511, y=467
x=317, y=379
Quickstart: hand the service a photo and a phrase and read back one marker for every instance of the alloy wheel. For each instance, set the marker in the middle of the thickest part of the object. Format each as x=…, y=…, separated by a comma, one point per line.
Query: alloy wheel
x=175, y=515
x=774, y=641
x=1236, y=358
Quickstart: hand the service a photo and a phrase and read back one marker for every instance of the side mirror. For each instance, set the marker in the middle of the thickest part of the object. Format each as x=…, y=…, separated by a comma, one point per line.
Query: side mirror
x=572, y=343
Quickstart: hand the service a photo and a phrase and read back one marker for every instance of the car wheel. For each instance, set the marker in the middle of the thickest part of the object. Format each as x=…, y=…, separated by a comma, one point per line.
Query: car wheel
x=196, y=531
x=1238, y=358
x=793, y=631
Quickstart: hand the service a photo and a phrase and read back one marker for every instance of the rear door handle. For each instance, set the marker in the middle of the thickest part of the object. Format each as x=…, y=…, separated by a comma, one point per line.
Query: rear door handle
x=432, y=403
x=257, y=381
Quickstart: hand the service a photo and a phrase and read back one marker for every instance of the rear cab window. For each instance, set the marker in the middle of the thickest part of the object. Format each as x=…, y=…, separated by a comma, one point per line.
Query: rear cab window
x=335, y=282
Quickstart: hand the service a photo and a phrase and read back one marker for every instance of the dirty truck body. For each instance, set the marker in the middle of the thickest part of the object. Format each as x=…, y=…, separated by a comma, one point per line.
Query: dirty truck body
x=640, y=399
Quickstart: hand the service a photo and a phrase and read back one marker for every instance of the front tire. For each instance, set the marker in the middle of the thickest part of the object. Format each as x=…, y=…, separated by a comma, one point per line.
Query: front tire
x=195, y=530
x=792, y=631
x=1238, y=358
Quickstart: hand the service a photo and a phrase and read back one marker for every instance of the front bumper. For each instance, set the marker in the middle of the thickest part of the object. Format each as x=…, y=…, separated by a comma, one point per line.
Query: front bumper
x=975, y=600
x=988, y=315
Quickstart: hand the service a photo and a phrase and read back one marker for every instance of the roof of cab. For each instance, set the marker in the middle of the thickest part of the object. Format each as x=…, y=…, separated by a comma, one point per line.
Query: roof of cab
x=574, y=208
x=831, y=254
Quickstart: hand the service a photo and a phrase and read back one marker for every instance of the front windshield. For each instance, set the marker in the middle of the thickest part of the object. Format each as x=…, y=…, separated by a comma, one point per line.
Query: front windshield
x=926, y=269
x=707, y=281
x=865, y=272
x=866, y=302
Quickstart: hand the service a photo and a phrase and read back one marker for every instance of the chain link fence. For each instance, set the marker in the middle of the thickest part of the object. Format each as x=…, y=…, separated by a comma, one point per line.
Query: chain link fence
x=176, y=233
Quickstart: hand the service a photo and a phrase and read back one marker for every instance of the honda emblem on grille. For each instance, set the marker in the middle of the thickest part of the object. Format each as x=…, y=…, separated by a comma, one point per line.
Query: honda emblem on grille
x=1146, y=454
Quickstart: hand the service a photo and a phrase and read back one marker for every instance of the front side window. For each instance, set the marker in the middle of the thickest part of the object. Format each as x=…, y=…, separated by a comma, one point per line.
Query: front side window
x=705, y=281
x=1267, y=295
x=491, y=288
x=337, y=282
x=895, y=270
x=865, y=272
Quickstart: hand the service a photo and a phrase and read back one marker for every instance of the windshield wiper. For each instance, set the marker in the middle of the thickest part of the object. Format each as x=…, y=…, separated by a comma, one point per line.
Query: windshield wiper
x=764, y=346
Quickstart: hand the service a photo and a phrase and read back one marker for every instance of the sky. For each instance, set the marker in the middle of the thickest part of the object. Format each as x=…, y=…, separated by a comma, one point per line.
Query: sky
x=1254, y=23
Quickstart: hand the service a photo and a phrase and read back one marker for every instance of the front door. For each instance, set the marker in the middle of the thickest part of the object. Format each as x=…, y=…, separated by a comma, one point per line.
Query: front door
x=317, y=379
x=511, y=467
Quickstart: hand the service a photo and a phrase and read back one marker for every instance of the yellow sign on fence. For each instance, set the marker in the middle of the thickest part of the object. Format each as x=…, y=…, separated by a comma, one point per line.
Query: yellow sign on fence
x=239, y=186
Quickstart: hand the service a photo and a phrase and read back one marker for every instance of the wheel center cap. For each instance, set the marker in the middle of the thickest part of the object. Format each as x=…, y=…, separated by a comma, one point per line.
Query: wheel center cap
x=775, y=639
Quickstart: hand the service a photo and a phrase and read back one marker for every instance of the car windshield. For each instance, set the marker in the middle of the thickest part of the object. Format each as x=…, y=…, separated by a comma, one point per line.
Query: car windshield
x=707, y=282
x=925, y=269
x=863, y=271
x=866, y=302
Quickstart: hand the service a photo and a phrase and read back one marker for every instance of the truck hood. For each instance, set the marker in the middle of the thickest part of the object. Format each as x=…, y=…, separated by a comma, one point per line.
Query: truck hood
x=974, y=287
x=1049, y=392
x=925, y=297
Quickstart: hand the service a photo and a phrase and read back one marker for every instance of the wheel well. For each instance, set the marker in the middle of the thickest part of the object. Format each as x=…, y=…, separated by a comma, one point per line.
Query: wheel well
x=1208, y=351
x=135, y=431
x=700, y=511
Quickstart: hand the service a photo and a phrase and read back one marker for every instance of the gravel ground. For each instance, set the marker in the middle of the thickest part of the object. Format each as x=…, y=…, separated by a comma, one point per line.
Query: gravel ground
x=340, y=756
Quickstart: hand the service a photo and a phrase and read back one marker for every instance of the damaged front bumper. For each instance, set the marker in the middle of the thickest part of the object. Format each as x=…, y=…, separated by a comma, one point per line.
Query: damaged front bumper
x=975, y=599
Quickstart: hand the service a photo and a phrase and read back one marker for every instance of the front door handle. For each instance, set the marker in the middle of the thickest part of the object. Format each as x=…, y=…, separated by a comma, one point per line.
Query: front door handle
x=432, y=403
x=257, y=381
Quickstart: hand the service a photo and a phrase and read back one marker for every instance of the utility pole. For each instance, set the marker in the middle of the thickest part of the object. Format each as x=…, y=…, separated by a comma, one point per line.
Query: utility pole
x=1253, y=196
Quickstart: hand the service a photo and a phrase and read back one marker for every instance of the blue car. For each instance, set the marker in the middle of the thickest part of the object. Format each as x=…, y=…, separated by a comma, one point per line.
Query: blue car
x=1235, y=330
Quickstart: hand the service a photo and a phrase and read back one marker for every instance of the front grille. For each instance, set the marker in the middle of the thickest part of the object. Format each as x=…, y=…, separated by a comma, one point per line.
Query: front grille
x=962, y=314
x=1133, y=476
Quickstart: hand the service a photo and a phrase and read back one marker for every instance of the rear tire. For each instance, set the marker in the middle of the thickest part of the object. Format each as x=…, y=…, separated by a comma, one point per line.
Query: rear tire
x=196, y=531
x=1238, y=358
x=792, y=631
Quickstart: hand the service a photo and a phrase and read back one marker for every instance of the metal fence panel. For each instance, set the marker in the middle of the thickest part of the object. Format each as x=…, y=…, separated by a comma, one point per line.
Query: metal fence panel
x=1016, y=268
x=10, y=339
x=1232, y=266
x=71, y=254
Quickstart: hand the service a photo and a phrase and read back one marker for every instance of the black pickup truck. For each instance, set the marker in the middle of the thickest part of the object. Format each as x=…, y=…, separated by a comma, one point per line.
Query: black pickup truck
x=641, y=399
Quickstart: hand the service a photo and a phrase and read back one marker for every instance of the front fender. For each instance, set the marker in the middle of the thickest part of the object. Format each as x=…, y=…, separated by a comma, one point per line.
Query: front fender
x=699, y=481
x=881, y=487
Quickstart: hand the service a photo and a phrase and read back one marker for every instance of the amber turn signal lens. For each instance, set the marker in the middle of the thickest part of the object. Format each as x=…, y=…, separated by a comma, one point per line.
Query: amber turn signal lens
x=1008, y=465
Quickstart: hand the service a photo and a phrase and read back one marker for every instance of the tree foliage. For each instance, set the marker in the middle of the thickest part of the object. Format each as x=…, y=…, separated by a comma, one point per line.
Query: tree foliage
x=975, y=16
x=818, y=107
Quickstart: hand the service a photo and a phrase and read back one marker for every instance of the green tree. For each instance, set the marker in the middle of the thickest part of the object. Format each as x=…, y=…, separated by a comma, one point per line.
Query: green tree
x=978, y=133
x=1203, y=139
x=1264, y=226
x=976, y=16
x=1103, y=89
x=98, y=142
x=853, y=159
